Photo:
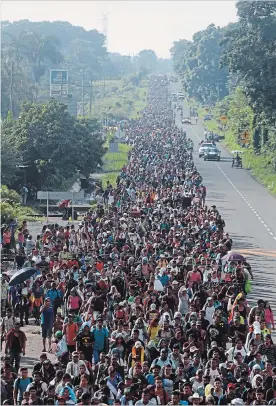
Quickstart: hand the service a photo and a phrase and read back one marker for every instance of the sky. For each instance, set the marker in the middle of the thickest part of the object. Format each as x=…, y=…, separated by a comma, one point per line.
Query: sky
x=132, y=25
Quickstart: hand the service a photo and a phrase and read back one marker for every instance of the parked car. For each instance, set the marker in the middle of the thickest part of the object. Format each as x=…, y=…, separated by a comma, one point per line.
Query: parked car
x=212, y=154
x=208, y=117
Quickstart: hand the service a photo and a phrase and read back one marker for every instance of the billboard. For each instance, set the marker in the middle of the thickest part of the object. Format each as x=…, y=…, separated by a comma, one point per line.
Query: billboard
x=58, y=82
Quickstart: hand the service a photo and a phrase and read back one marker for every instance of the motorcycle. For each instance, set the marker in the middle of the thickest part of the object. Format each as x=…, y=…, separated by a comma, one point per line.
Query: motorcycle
x=237, y=163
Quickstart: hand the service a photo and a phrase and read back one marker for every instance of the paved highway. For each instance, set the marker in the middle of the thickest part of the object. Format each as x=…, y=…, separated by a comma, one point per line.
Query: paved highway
x=247, y=208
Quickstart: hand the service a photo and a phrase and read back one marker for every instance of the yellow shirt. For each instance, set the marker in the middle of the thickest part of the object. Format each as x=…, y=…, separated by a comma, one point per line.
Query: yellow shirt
x=153, y=331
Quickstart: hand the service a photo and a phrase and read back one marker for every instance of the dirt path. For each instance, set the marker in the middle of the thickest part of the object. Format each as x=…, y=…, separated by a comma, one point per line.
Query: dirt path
x=33, y=347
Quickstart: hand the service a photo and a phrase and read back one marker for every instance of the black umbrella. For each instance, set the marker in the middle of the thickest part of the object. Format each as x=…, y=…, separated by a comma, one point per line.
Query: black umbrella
x=22, y=275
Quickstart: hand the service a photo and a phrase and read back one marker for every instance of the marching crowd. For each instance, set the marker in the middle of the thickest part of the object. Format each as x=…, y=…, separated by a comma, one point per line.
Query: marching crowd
x=144, y=302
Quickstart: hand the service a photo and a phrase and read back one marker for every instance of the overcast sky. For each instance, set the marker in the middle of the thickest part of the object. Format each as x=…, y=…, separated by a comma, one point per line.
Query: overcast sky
x=132, y=25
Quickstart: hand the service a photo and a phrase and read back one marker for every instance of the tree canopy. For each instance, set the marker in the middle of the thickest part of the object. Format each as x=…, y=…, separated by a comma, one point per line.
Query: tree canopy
x=198, y=64
x=239, y=59
x=52, y=143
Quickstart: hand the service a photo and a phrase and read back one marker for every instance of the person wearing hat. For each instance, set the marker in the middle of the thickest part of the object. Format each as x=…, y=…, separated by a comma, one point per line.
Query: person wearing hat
x=229, y=396
x=137, y=353
x=195, y=399
x=152, y=314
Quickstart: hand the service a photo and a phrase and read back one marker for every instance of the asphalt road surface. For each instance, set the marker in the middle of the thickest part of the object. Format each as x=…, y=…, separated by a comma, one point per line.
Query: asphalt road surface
x=248, y=209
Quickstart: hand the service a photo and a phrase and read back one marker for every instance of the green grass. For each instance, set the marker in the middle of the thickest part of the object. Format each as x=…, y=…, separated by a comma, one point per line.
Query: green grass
x=111, y=177
x=259, y=166
x=121, y=99
x=115, y=161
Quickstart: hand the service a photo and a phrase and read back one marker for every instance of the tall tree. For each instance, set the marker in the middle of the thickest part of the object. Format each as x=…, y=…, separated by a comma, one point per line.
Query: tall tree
x=198, y=64
x=147, y=59
x=55, y=144
x=250, y=46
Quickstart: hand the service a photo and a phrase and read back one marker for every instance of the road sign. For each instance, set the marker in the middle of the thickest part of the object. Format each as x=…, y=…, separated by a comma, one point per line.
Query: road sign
x=244, y=137
x=58, y=82
x=41, y=195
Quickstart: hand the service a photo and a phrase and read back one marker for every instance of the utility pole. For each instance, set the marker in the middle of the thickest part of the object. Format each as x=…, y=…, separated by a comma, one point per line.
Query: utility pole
x=82, y=95
x=90, y=98
x=105, y=28
x=218, y=83
x=11, y=89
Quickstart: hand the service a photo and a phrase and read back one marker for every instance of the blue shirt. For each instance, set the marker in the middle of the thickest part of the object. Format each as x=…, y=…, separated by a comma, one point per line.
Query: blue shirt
x=164, y=279
x=99, y=336
x=21, y=384
x=13, y=293
x=52, y=294
x=47, y=317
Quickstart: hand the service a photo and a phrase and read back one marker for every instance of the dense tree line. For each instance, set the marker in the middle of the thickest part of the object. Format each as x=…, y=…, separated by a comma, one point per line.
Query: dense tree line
x=31, y=49
x=239, y=59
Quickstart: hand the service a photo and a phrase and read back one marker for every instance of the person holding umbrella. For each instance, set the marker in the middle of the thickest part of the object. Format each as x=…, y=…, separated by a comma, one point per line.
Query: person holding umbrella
x=15, y=345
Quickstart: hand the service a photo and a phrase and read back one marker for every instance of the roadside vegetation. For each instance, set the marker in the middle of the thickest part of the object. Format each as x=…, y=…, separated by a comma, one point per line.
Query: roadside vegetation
x=12, y=209
x=261, y=164
x=231, y=70
x=120, y=99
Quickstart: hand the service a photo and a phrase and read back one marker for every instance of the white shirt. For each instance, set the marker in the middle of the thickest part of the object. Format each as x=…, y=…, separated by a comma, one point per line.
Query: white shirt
x=231, y=353
x=73, y=368
x=209, y=313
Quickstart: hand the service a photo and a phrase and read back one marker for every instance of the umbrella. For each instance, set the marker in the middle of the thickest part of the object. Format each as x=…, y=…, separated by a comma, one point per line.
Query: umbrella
x=236, y=151
x=22, y=275
x=233, y=256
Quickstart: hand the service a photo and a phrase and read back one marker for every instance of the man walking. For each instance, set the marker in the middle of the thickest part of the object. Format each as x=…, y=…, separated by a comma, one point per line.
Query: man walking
x=100, y=335
x=15, y=345
x=47, y=321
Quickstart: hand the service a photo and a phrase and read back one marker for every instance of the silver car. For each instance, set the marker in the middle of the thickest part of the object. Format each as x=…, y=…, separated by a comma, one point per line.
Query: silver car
x=203, y=147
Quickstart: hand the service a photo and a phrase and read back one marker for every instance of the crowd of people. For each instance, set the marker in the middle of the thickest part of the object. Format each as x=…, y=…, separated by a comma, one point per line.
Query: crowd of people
x=143, y=302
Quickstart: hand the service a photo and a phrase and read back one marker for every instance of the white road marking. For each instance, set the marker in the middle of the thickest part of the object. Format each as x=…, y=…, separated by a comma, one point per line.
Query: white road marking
x=232, y=184
x=248, y=204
